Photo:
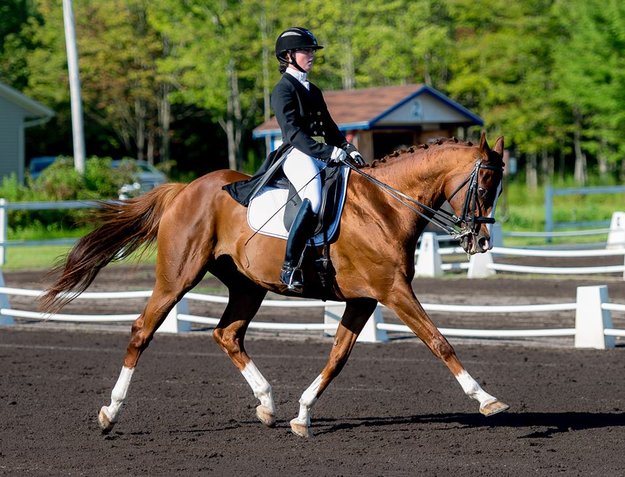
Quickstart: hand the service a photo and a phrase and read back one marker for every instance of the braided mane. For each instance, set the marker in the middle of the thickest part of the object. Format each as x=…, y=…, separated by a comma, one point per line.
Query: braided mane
x=441, y=141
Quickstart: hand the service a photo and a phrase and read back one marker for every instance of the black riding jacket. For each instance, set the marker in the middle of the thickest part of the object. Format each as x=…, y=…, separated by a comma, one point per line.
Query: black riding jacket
x=306, y=125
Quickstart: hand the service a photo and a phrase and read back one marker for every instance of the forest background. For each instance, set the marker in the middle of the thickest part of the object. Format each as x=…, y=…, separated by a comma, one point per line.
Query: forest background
x=182, y=83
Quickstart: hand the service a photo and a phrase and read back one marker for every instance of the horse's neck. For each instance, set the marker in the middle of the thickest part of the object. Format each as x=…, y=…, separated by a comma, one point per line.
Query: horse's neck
x=419, y=175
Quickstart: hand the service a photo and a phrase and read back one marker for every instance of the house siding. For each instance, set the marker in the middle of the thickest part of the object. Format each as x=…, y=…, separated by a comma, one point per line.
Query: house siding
x=11, y=139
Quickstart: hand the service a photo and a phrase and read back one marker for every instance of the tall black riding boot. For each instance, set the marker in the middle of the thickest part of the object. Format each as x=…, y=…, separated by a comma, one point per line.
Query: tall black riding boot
x=301, y=230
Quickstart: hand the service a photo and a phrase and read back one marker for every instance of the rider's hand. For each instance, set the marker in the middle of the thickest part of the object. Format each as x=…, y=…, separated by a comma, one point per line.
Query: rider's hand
x=357, y=158
x=338, y=155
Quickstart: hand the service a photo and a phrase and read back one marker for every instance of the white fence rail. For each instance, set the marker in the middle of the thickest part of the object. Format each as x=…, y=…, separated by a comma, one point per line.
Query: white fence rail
x=6, y=206
x=593, y=316
x=430, y=256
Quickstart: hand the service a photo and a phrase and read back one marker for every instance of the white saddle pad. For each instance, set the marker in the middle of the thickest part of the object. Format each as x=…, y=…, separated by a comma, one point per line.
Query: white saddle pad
x=265, y=213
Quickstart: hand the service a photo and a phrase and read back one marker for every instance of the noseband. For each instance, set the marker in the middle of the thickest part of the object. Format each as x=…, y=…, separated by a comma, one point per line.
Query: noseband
x=458, y=227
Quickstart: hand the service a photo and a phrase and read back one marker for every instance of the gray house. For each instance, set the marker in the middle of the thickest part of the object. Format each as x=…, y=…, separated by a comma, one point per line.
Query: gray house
x=17, y=112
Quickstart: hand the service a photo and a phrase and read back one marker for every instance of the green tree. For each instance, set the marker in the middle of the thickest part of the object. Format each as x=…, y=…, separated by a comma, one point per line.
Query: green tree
x=549, y=74
x=503, y=72
x=216, y=57
x=118, y=53
x=14, y=44
x=588, y=73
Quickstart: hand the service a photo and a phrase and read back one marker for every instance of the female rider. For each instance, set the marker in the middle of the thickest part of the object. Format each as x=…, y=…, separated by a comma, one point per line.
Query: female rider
x=311, y=139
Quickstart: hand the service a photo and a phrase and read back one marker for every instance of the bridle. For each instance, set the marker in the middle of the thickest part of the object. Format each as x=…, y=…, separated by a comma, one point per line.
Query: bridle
x=472, y=217
x=458, y=227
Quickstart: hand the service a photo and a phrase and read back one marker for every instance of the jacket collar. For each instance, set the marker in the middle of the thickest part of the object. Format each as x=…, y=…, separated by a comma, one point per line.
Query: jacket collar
x=302, y=78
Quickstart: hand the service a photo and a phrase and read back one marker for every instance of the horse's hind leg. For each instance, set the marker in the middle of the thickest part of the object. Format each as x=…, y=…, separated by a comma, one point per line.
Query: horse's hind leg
x=174, y=277
x=357, y=312
x=243, y=303
x=412, y=313
x=156, y=310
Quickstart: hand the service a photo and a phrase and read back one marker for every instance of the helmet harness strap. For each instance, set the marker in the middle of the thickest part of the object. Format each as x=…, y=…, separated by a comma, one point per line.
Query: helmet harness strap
x=293, y=62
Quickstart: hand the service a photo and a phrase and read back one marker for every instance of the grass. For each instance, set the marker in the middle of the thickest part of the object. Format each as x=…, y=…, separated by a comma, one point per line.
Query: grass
x=33, y=258
x=523, y=210
x=45, y=257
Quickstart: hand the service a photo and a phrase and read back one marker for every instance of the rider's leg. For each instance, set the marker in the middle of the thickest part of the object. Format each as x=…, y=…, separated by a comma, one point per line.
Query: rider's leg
x=301, y=230
x=303, y=172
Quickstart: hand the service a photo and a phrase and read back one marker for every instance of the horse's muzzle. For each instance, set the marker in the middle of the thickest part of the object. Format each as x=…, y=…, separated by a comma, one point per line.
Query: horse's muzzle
x=476, y=243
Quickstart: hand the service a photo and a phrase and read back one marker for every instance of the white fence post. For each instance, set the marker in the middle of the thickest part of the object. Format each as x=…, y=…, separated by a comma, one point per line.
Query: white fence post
x=172, y=324
x=332, y=314
x=591, y=320
x=616, y=235
x=429, y=263
x=4, y=303
x=479, y=265
x=369, y=334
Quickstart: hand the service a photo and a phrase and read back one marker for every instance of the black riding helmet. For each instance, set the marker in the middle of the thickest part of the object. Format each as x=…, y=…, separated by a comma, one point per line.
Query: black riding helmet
x=295, y=38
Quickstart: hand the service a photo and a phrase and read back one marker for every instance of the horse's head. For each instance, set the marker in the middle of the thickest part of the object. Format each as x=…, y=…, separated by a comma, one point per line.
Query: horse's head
x=473, y=194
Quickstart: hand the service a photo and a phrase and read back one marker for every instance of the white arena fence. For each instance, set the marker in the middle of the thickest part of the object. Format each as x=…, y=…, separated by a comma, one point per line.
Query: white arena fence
x=593, y=316
x=593, y=322
x=430, y=255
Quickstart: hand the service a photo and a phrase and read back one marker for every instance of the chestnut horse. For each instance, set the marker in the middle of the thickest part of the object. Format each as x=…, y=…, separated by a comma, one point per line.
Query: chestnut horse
x=199, y=228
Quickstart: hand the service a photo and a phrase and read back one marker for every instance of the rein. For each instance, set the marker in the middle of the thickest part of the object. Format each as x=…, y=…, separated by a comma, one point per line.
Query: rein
x=448, y=222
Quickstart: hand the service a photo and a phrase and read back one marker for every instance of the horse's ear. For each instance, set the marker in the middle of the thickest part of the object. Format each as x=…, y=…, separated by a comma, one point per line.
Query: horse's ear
x=483, y=143
x=499, y=146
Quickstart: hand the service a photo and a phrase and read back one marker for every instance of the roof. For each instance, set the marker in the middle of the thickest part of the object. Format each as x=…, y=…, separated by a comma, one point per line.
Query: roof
x=371, y=107
x=32, y=107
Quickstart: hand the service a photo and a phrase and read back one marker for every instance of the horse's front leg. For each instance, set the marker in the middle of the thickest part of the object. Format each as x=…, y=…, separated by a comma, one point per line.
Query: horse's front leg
x=403, y=302
x=229, y=335
x=357, y=312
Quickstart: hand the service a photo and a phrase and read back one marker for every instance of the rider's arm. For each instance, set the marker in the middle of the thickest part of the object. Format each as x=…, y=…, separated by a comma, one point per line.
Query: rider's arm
x=295, y=130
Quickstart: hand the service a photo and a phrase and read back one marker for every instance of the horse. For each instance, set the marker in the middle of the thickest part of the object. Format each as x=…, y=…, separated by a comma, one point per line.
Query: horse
x=198, y=228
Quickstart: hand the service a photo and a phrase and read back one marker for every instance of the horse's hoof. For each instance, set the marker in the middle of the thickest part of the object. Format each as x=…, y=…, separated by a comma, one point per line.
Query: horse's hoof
x=493, y=407
x=300, y=428
x=105, y=422
x=265, y=416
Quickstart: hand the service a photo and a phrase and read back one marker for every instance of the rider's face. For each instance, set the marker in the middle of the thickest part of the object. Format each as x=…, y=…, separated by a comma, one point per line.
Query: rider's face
x=305, y=58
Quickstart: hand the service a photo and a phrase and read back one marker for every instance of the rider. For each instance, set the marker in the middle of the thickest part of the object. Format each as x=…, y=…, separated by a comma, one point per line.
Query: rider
x=311, y=139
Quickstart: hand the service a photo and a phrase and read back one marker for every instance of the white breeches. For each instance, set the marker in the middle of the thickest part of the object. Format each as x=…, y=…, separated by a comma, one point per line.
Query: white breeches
x=302, y=171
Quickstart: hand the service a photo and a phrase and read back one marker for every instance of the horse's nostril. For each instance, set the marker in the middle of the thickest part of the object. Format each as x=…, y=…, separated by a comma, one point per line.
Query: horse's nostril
x=483, y=243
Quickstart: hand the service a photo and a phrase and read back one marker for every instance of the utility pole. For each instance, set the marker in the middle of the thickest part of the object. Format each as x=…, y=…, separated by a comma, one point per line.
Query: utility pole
x=74, y=87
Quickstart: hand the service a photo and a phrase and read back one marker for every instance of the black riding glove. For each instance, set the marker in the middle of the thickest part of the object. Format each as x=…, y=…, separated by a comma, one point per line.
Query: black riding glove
x=355, y=156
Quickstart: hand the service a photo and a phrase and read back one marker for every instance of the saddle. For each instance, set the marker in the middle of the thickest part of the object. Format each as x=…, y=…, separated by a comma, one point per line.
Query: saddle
x=273, y=209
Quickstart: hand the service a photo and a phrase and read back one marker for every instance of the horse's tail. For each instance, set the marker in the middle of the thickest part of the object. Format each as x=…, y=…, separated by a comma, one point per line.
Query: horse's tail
x=125, y=226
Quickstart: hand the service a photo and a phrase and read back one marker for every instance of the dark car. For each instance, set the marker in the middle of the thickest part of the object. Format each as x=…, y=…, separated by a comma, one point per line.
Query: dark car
x=38, y=164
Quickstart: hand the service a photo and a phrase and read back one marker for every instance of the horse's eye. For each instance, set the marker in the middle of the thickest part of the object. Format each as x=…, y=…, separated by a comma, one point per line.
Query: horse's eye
x=482, y=192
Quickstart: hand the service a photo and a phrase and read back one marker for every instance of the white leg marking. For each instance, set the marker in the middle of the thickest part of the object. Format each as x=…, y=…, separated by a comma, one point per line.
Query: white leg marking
x=119, y=393
x=472, y=389
x=260, y=386
x=306, y=402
